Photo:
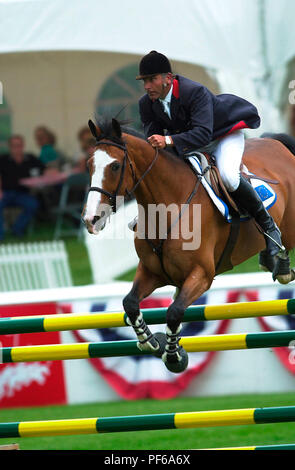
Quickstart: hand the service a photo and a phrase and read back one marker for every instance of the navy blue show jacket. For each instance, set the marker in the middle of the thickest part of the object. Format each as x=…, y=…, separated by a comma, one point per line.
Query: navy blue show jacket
x=197, y=115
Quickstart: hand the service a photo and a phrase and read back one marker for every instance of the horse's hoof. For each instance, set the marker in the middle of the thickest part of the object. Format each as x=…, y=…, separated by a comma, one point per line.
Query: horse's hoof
x=155, y=345
x=176, y=362
x=161, y=338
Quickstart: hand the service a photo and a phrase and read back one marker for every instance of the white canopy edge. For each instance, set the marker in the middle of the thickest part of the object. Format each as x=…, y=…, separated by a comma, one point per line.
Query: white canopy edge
x=215, y=34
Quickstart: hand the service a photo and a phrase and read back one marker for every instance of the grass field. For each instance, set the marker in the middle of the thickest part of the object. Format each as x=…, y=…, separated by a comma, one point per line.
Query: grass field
x=260, y=434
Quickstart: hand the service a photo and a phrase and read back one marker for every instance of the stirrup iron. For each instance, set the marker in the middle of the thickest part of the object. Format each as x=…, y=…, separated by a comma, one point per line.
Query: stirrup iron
x=281, y=247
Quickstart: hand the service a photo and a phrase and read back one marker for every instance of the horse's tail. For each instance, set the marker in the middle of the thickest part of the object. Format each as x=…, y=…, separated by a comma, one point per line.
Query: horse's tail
x=285, y=139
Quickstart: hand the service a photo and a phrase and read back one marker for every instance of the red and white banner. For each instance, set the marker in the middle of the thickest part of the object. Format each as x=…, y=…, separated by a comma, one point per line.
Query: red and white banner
x=32, y=383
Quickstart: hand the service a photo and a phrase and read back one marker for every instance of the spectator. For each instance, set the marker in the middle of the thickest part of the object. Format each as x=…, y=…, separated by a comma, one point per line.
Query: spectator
x=13, y=167
x=87, y=147
x=46, y=141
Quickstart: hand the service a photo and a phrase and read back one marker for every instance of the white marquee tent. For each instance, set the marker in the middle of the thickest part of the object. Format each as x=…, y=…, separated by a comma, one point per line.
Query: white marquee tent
x=245, y=44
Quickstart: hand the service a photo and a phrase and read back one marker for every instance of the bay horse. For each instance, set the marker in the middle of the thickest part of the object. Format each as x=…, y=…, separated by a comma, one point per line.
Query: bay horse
x=124, y=164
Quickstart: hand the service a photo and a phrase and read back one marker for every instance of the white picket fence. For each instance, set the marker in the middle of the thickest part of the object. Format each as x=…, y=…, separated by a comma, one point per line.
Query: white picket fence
x=34, y=266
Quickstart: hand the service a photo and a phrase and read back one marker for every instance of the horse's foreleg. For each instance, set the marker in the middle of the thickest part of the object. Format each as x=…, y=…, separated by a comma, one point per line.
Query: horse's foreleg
x=175, y=357
x=145, y=282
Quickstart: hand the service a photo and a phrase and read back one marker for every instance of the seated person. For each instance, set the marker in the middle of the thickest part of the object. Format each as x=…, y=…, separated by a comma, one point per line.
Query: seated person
x=13, y=167
x=87, y=147
x=46, y=140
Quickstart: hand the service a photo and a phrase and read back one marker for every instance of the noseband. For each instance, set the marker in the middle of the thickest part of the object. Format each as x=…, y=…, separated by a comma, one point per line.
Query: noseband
x=128, y=194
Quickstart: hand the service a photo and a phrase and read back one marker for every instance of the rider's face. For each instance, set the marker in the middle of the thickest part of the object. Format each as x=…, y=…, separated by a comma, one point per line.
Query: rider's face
x=155, y=86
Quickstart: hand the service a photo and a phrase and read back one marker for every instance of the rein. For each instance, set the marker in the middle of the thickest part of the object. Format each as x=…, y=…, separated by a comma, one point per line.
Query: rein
x=113, y=196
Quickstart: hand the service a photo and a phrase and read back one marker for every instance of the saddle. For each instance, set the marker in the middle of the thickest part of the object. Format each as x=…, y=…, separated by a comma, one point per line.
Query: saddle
x=213, y=178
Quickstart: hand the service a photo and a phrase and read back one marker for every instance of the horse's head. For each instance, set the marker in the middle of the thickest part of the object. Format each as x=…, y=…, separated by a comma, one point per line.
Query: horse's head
x=109, y=178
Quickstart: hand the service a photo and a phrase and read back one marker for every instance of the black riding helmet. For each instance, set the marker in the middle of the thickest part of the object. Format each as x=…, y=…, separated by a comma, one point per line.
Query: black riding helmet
x=153, y=63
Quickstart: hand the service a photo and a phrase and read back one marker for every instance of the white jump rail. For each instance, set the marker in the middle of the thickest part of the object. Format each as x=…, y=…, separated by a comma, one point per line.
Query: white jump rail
x=119, y=289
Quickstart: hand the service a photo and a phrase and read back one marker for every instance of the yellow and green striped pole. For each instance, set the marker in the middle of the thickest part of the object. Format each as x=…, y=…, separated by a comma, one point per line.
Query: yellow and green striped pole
x=53, y=352
x=270, y=447
x=198, y=419
x=152, y=316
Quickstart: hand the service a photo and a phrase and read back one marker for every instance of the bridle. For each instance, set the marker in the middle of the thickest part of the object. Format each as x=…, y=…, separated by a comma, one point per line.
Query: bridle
x=128, y=194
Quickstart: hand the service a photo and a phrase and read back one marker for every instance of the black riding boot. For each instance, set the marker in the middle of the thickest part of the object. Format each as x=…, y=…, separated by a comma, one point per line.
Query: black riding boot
x=247, y=198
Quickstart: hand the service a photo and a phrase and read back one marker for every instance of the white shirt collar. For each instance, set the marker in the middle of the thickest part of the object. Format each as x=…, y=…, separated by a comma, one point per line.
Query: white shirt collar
x=167, y=98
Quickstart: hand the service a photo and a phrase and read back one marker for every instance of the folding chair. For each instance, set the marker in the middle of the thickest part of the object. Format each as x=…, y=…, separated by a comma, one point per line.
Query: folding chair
x=67, y=209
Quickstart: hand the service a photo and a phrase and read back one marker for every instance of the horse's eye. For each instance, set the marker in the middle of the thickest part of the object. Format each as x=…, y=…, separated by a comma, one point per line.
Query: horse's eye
x=115, y=166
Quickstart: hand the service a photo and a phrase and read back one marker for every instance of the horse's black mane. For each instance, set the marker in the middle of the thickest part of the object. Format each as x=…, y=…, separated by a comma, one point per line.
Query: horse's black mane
x=134, y=132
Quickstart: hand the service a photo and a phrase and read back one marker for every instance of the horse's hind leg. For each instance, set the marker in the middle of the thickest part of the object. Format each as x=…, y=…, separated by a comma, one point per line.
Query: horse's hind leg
x=282, y=270
x=279, y=266
x=285, y=273
x=145, y=282
x=174, y=356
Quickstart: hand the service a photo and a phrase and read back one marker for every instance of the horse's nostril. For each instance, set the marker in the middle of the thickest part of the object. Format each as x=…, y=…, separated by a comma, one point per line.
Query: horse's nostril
x=95, y=219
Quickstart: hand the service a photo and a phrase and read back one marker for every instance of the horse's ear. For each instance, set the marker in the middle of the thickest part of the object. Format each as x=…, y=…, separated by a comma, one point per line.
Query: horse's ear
x=116, y=128
x=93, y=129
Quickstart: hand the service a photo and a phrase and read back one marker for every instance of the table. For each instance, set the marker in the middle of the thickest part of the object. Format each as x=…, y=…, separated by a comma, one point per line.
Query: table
x=50, y=178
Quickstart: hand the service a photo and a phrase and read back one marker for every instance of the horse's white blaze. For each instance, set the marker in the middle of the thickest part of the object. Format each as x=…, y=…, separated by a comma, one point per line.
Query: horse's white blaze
x=101, y=160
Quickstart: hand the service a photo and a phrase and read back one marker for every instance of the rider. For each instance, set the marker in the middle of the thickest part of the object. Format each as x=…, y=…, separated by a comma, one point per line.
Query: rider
x=183, y=115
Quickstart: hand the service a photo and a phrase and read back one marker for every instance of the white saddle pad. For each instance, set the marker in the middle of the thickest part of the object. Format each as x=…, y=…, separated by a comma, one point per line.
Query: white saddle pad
x=264, y=190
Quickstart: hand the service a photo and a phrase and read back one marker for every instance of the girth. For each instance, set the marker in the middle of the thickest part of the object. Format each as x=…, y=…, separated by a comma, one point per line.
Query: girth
x=158, y=249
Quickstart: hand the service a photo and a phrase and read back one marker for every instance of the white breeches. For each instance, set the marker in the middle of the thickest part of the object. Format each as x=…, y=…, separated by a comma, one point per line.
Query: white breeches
x=228, y=154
